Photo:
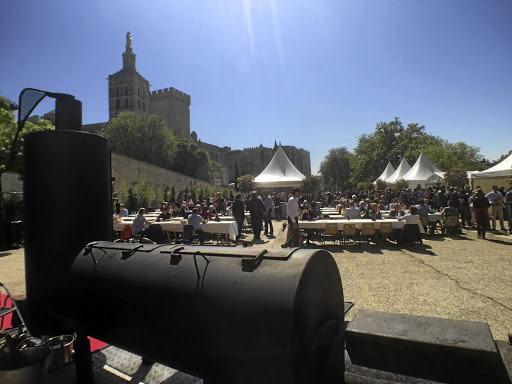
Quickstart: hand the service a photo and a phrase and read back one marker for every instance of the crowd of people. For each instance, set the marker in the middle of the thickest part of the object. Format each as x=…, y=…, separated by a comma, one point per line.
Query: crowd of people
x=473, y=208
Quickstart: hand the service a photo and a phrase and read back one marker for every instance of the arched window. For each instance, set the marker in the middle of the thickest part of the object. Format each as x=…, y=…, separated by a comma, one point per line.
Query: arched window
x=138, y=102
x=126, y=103
x=125, y=90
x=118, y=103
x=144, y=95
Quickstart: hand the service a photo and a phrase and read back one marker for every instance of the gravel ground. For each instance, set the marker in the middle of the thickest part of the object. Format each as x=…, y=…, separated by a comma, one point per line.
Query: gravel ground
x=458, y=277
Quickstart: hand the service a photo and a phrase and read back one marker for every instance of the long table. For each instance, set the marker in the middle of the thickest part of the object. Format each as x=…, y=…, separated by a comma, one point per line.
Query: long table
x=229, y=228
x=321, y=224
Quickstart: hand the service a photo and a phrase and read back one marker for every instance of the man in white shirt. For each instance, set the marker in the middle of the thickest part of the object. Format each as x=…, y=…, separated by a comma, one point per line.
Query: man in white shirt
x=496, y=199
x=352, y=212
x=293, y=213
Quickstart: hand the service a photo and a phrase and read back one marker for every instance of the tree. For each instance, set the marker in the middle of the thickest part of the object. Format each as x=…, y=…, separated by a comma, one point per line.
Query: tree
x=392, y=141
x=311, y=184
x=401, y=184
x=455, y=156
x=246, y=183
x=142, y=137
x=380, y=185
x=143, y=195
x=192, y=160
x=456, y=178
x=120, y=191
x=335, y=169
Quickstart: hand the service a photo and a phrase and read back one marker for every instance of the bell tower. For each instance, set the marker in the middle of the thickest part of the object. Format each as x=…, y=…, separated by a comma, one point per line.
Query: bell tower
x=128, y=91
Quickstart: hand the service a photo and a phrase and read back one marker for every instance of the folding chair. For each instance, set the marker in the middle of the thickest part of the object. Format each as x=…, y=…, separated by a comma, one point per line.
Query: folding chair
x=451, y=225
x=331, y=230
x=349, y=230
x=368, y=232
x=386, y=230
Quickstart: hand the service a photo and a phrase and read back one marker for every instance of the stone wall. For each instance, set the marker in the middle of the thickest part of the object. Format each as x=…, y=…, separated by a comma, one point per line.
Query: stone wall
x=131, y=171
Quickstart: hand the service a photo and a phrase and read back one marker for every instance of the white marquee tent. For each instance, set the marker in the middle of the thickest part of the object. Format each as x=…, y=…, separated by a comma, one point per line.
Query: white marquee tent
x=387, y=172
x=503, y=168
x=280, y=172
x=420, y=171
x=402, y=169
x=496, y=175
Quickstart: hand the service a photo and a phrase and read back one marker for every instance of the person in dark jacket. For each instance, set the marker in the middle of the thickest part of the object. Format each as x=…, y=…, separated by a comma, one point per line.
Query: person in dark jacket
x=238, y=213
x=256, y=208
x=481, y=205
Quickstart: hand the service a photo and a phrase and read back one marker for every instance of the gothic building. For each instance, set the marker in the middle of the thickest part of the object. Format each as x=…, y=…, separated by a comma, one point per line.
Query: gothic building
x=129, y=91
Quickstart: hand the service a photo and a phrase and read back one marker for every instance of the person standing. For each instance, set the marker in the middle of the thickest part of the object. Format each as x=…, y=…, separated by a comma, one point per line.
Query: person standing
x=481, y=205
x=508, y=203
x=277, y=205
x=238, y=214
x=269, y=205
x=292, y=215
x=256, y=207
x=496, y=200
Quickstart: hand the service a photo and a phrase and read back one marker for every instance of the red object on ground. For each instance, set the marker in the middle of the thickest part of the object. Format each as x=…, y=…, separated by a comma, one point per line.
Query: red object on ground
x=5, y=322
x=95, y=343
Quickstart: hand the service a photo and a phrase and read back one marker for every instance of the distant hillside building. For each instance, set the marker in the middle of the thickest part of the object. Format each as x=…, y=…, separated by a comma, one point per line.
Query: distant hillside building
x=128, y=91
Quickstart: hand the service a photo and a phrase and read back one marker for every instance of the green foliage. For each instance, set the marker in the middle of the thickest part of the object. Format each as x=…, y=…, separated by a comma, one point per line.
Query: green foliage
x=142, y=195
x=390, y=142
x=245, y=183
x=311, y=184
x=192, y=160
x=401, y=184
x=142, y=137
x=173, y=193
x=365, y=186
x=456, y=178
x=8, y=128
x=120, y=191
x=455, y=156
x=159, y=197
x=380, y=185
x=335, y=169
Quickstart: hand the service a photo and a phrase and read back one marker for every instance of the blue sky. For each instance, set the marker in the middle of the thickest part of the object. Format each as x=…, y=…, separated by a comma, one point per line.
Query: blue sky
x=315, y=74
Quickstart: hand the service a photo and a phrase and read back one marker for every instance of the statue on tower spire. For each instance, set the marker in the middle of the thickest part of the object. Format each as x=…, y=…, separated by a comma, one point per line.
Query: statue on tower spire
x=128, y=42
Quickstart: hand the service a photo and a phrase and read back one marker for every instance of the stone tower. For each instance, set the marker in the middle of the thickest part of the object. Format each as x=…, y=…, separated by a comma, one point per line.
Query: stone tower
x=128, y=91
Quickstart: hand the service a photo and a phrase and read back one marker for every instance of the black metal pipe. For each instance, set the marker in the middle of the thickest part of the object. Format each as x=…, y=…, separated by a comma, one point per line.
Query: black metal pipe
x=67, y=192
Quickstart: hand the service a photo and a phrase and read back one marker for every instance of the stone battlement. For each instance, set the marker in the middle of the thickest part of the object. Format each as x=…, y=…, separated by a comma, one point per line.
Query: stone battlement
x=161, y=93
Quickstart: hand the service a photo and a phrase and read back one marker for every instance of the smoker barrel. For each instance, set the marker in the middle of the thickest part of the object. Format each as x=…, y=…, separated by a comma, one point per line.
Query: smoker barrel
x=223, y=314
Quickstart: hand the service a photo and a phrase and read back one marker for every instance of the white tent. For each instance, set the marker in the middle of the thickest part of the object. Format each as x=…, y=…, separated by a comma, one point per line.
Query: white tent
x=496, y=175
x=280, y=172
x=420, y=171
x=402, y=169
x=438, y=177
x=387, y=172
x=503, y=168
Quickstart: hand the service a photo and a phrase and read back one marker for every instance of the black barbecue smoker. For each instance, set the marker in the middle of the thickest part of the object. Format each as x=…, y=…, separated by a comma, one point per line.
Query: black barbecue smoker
x=227, y=315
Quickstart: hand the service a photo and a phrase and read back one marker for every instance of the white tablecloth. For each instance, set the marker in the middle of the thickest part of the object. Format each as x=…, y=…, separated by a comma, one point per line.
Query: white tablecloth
x=229, y=228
